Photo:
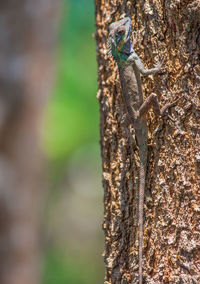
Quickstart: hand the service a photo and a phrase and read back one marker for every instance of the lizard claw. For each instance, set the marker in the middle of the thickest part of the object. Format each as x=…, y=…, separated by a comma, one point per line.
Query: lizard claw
x=158, y=66
x=160, y=63
x=167, y=106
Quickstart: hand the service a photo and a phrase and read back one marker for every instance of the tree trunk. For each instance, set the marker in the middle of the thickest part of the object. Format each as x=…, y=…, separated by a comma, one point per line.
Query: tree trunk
x=169, y=30
x=27, y=40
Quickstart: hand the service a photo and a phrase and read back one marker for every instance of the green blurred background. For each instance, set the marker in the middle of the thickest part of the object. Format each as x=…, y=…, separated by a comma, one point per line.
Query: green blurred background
x=73, y=238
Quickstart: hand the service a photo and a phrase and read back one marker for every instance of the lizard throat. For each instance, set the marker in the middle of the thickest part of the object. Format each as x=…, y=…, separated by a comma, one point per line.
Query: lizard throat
x=123, y=51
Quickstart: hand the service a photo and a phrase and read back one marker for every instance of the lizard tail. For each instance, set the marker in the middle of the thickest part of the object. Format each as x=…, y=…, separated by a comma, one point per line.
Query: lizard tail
x=141, y=208
x=141, y=137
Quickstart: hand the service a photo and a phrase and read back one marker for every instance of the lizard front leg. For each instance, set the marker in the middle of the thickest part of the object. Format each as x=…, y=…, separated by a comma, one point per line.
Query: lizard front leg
x=134, y=58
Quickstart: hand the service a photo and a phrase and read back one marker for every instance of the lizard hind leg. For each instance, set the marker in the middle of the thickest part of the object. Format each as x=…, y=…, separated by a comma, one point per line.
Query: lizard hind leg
x=152, y=101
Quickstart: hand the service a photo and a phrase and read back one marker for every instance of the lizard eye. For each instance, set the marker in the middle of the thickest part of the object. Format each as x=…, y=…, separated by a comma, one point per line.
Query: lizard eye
x=120, y=32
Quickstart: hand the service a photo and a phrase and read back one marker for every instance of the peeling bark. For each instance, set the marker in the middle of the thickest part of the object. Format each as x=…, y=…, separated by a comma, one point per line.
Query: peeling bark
x=169, y=30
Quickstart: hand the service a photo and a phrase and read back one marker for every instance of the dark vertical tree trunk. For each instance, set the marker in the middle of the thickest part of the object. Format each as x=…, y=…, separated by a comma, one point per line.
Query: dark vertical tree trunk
x=169, y=30
x=27, y=41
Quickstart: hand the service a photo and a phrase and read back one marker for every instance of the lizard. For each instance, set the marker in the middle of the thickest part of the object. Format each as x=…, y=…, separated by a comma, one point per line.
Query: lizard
x=129, y=67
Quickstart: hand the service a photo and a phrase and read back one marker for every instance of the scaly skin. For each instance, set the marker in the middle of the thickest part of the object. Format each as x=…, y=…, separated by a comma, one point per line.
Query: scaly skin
x=130, y=67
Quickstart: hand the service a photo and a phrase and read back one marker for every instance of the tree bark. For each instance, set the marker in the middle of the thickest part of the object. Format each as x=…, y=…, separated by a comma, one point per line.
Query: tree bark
x=27, y=41
x=169, y=30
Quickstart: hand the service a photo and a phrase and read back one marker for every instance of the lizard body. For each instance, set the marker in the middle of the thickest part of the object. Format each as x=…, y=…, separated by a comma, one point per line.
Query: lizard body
x=130, y=67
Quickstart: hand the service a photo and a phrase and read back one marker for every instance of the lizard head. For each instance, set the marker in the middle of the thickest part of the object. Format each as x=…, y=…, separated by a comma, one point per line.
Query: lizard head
x=119, y=44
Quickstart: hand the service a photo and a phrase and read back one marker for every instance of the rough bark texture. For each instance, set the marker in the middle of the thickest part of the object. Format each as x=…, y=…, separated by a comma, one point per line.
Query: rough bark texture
x=169, y=30
x=27, y=40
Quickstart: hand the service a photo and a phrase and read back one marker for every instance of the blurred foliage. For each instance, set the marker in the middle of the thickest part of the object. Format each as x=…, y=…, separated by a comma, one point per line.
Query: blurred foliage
x=72, y=114
x=62, y=270
x=71, y=123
